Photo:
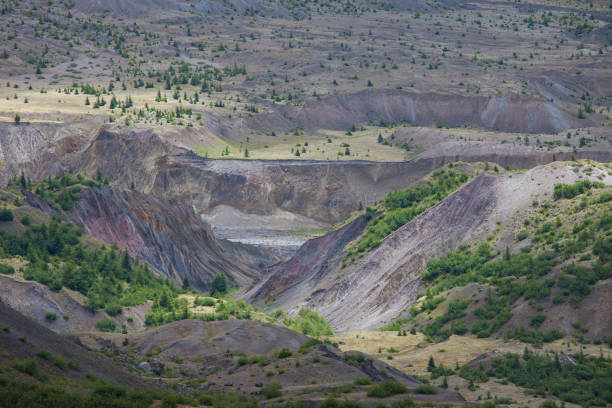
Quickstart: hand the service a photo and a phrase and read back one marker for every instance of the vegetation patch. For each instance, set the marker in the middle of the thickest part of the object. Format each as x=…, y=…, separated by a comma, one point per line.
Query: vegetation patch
x=62, y=192
x=386, y=389
x=308, y=322
x=584, y=249
x=576, y=378
x=402, y=206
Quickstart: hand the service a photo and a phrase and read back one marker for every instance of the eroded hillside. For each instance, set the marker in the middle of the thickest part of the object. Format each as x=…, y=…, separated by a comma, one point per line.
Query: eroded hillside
x=383, y=283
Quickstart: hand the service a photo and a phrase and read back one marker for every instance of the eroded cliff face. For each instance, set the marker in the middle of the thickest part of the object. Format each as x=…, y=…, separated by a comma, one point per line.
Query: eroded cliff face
x=169, y=237
x=296, y=193
x=385, y=283
x=512, y=113
x=37, y=150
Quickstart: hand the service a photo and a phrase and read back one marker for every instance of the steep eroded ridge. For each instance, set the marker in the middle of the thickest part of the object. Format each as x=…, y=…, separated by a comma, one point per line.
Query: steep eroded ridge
x=170, y=237
x=386, y=281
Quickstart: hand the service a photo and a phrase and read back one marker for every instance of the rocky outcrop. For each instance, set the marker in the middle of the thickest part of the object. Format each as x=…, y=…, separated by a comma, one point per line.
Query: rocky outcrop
x=169, y=237
x=38, y=149
x=126, y=158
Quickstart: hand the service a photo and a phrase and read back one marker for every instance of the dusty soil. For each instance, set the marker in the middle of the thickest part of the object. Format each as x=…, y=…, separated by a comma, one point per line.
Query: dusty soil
x=207, y=354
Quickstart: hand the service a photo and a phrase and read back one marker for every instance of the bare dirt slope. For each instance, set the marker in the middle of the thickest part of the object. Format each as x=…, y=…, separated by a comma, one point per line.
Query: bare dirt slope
x=24, y=338
x=244, y=356
x=310, y=263
x=386, y=281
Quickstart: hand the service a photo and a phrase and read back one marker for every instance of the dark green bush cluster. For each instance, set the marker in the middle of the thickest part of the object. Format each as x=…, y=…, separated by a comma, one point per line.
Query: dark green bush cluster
x=57, y=360
x=106, y=325
x=309, y=345
x=426, y=389
x=572, y=190
x=534, y=337
x=284, y=353
x=456, y=310
x=25, y=395
x=108, y=277
x=586, y=381
x=6, y=215
x=30, y=368
x=62, y=191
x=523, y=274
x=6, y=269
x=386, y=389
x=354, y=358
x=261, y=361
x=271, y=391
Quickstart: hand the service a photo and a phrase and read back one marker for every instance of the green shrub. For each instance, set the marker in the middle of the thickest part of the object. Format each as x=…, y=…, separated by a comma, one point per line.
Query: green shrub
x=271, y=391
x=362, y=381
x=6, y=215
x=522, y=235
x=403, y=403
x=354, y=358
x=106, y=325
x=425, y=389
x=219, y=286
x=534, y=337
x=29, y=394
x=572, y=190
x=7, y=269
x=386, y=389
x=113, y=309
x=51, y=316
x=308, y=322
x=204, y=301
x=537, y=320
x=284, y=353
x=345, y=388
x=59, y=362
x=605, y=197
x=30, y=368
x=308, y=346
x=459, y=327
